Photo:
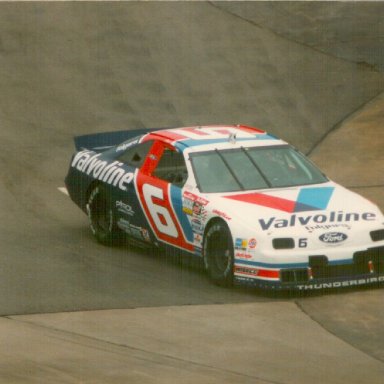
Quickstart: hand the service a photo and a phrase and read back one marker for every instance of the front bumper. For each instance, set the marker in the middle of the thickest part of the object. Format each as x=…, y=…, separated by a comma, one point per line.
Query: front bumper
x=366, y=267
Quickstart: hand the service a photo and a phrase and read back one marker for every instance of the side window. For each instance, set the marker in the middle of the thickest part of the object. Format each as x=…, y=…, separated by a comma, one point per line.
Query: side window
x=171, y=168
x=135, y=156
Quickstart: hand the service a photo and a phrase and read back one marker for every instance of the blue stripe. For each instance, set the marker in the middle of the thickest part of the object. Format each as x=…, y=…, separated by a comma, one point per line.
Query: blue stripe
x=288, y=265
x=177, y=204
x=317, y=198
x=267, y=265
x=182, y=144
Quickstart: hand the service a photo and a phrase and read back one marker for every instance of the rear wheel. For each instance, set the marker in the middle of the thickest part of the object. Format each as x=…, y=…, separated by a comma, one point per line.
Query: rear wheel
x=218, y=254
x=101, y=218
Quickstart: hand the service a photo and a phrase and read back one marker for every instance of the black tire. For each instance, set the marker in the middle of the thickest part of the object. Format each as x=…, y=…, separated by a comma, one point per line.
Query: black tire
x=101, y=218
x=218, y=254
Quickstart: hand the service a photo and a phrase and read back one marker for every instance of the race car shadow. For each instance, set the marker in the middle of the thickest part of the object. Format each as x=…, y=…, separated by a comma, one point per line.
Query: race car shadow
x=188, y=269
x=294, y=294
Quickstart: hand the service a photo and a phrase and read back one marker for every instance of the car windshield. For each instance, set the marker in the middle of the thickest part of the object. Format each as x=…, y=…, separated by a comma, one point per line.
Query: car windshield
x=253, y=168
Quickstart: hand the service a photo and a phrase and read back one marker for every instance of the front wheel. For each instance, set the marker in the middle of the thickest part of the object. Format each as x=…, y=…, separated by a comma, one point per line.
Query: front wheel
x=218, y=254
x=101, y=218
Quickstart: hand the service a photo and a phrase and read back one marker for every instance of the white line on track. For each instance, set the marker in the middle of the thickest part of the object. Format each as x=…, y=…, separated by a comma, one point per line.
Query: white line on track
x=63, y=190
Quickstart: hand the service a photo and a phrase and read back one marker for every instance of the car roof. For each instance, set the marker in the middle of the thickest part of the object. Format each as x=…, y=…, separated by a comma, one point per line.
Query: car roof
x=200, y=138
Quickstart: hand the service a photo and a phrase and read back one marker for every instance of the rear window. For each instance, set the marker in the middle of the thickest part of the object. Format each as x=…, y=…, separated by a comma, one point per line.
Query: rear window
x=135, y=155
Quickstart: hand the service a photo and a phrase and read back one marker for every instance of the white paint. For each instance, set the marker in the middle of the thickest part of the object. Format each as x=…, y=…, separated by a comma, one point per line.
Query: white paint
x=63, y=190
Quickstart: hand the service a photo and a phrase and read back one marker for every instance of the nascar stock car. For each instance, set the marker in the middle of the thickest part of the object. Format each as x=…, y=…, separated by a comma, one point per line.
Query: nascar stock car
x=252, y=206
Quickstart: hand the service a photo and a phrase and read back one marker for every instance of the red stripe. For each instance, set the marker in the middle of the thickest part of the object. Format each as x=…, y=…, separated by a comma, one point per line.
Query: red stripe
x=196, y=131
x=272, y=274
x=250, y=271
x=167, y=138
x=253, y=130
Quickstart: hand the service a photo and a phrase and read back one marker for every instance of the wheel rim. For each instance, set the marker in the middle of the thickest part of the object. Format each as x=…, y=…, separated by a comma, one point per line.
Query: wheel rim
x=101, y=215
x=219, y=253
x=221, y=260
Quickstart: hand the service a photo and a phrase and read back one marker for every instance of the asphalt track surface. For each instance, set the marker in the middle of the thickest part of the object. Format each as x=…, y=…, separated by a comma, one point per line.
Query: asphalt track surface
x=311, y=73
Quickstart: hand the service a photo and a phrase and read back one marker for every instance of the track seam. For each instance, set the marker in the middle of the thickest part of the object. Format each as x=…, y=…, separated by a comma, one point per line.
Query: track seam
x=67, y=334
x=346, y=117
x=301, y=308
x=282, y=36
x=365, y=186
x=342, y=121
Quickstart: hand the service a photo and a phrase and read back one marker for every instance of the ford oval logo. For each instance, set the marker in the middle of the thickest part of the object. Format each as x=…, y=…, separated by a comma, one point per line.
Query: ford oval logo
x=333, y=237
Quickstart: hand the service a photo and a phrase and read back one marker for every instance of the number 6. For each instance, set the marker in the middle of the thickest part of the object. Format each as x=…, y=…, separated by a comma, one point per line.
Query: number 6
x=160, y=214
x=303, y=243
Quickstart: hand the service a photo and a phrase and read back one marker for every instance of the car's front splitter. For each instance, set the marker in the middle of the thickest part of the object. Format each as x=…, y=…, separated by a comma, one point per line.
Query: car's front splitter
x=312, y=285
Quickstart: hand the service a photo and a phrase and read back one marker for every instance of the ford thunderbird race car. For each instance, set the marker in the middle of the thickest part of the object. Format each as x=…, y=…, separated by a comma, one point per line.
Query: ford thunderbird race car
x=253, y=207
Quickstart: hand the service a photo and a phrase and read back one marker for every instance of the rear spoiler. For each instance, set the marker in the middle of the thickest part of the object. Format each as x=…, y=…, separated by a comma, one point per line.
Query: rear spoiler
x=100, y=142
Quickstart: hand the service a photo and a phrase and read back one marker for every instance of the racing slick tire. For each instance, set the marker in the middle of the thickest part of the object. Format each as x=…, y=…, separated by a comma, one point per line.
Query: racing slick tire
x=218, y=254
x=101, y=217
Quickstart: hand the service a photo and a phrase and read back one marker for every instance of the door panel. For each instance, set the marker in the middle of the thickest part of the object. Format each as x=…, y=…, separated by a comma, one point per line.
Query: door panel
x=159, y=188
x=162, y=205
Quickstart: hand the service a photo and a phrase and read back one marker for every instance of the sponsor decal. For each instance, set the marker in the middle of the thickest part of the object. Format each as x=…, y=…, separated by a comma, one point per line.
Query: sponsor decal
x=197, y=226
x=193, y=204
x=308, y=199
x=124, y=225
x=194, y=207
x=252, y=243
x=323, y=219
x=111, y=173
x=197, y=240
x=241, y=244
x=191, y=196
x=124, y=208
x=188, y=207
x=145, y=235
x=312, y=228
x=333, y=237
x=197, y=209
x=126, y=145
x=243, y=255
x=256, y=272
x=134, y=230
x=246, y=271
x=198, y=250
x=221, y=214
x=340, y=284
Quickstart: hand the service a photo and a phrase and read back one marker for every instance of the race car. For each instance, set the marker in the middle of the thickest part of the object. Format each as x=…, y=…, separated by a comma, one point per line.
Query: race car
x=254, y=208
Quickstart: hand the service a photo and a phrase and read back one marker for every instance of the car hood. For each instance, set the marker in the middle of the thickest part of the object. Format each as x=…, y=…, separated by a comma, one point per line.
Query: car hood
x=306, y=208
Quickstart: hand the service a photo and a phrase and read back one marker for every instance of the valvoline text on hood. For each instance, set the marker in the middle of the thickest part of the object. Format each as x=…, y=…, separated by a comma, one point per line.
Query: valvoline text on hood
x=324, y=220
